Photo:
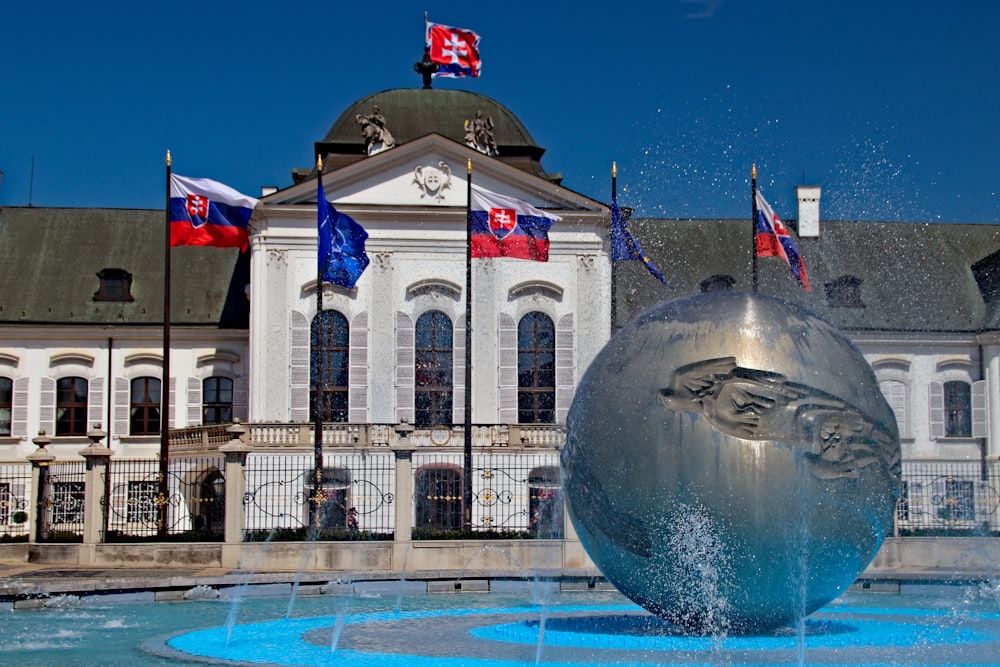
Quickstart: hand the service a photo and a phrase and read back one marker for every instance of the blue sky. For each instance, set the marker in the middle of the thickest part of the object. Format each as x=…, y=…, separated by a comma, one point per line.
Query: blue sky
x=890, y=105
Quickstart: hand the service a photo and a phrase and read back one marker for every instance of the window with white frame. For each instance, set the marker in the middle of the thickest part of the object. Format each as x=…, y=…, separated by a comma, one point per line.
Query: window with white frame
x=6, y=404
x=144, y=406
x=71, y=406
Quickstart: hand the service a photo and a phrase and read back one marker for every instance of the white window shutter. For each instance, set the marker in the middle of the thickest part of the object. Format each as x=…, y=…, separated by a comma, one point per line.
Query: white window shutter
x=47, y=414
x=405, y=372
x=357, y=371
x=95, y=403
x=241, y=399
x=507, y=342
x=193, y=401
x=894, y=392
x=979, y=415
x=19, y=409
x=299, y=368
x=458, y=372
x=565, y=354
x=937, y=409
x=172, y=399
x=121, y=407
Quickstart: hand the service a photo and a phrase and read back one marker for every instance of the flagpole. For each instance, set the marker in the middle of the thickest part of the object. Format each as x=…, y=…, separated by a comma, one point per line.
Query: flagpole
x=614, y=271
x=317, y=499
x=753, y=225
x=467, y=467
x=164, y=488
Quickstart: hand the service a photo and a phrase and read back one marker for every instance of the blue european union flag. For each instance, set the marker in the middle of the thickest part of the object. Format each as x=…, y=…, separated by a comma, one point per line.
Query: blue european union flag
x=342, y=257
x=624, y=245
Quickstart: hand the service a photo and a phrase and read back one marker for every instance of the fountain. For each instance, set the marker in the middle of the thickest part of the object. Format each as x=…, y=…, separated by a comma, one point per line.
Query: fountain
x=730, y=463
x=745, y=481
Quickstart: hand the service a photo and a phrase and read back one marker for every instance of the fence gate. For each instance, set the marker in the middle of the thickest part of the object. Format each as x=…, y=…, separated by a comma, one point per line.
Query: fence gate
x=60, y=504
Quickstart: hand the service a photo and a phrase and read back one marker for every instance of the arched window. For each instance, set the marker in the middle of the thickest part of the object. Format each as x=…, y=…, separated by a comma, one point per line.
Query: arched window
x=71, y=406
x=433, y=370
x=536, y=369
x=438, y=497
x=329, y=344
x=144, y=406
x=957, y=409
x=6, y=404
x=217, y=400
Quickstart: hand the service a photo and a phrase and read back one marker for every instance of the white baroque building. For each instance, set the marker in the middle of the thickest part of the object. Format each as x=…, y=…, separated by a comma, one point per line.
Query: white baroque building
x=81, y=326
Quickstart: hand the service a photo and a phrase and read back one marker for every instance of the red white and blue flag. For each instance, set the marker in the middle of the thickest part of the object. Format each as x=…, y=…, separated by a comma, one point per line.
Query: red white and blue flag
x=773, y=240
x=207, y=213
x=506, y=227
x=455, y=50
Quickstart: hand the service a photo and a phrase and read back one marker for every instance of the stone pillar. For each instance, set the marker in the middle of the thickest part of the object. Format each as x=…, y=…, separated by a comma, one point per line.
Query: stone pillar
x=402, y=531
x=40, y=460
x=95, y=488
x=235, y=452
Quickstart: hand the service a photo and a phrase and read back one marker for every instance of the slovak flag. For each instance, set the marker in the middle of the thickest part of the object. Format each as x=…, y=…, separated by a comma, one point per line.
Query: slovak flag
x=773, y=240
x=506, y=227
x=207, y=213
x=455, y=50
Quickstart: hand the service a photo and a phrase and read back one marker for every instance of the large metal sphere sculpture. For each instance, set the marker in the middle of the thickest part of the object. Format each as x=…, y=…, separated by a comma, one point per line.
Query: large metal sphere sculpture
x=731, y=464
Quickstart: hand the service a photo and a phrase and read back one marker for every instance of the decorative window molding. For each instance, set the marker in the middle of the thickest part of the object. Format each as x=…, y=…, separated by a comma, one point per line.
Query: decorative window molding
x=954, y=363
x=434, y=287
x=329, y=289
x=80, y=358
x=218, y=357
x=137, y=358
x=891, y=363
x=535, y=288
x=11, y=360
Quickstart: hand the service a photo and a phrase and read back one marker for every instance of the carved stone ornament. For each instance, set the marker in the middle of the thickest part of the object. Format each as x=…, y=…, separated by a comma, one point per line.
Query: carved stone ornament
x=383, y=260
x=277, y=256
x=432, y=181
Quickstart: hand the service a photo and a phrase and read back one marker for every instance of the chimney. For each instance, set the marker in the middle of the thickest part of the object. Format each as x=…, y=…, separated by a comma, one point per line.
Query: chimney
x=808, y=197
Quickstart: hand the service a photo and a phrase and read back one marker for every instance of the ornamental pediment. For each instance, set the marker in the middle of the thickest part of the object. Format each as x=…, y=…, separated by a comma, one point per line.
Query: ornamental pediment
x=429, y=172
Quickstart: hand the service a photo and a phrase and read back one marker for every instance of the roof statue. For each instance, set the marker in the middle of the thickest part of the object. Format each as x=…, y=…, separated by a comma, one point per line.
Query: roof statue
x=375, y=132
x=479, y=135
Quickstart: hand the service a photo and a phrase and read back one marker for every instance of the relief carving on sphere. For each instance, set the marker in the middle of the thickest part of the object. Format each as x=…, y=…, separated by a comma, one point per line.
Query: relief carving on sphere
x=839, y=439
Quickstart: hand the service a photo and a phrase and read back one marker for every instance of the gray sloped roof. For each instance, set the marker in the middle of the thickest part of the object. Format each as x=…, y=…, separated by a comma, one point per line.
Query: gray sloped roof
x=914, y=277
x=50, y=258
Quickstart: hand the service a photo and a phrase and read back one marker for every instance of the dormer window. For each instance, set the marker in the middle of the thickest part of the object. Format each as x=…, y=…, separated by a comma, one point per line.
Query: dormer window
x=116, y=285
x=718, y=283
x=844, y=292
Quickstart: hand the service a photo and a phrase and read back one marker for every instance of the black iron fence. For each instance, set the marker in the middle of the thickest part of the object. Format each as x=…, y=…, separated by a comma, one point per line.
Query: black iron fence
x=942, y=498
x=15, y=489
x=195, y=500
x=515, y=494
x=356, y=500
